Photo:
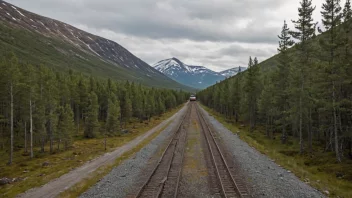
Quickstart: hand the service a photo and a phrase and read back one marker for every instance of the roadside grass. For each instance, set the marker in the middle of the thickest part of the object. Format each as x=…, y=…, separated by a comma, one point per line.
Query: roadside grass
x=32, y=173
x=319, y=169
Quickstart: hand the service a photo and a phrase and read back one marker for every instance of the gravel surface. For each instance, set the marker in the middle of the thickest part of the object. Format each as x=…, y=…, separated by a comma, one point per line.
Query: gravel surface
x=194, y=177
x=120, y=181
x=264, y=177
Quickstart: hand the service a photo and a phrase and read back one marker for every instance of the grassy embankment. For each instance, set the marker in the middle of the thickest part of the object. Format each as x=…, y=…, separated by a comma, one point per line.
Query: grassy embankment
x=319, y=168
x=34, y=174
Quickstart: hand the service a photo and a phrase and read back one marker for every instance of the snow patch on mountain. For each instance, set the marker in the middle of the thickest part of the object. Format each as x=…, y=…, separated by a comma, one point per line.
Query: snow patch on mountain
x=233, y=71
x=196, y=76
x=191, y=75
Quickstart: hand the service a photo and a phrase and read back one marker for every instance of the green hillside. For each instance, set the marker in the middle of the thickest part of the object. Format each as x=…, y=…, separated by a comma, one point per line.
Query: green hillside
x=296, y=106
x=34, y=48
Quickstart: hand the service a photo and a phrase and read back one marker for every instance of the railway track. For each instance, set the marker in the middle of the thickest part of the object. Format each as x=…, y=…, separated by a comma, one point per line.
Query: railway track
x=164, y=179
x=228, y=184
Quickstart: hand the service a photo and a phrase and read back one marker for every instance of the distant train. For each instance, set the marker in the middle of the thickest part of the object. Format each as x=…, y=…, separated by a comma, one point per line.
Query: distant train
x=192, y=98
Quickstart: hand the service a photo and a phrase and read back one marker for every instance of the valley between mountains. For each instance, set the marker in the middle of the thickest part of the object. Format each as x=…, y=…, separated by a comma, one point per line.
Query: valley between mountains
x=83, y=116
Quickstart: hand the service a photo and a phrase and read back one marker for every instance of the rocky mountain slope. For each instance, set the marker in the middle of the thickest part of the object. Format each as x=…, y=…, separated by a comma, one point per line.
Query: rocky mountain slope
x=195, y=76
x=41, y=40
x=233, y=71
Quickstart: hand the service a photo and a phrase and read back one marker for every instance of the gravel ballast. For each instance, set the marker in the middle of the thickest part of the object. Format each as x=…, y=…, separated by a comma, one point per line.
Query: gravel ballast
x=264, y=177
x=122, y=179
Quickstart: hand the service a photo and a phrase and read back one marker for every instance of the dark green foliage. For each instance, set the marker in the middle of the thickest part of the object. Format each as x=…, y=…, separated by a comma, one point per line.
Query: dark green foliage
x=34, y=48
x=92, y=124
x=58, y=106
x=65, y=125
x=112, y=123
x=304, y=92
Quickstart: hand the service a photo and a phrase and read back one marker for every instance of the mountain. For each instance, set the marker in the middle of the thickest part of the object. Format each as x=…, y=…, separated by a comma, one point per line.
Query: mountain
x=40, y=40
x=233, y=71
x=195, y=76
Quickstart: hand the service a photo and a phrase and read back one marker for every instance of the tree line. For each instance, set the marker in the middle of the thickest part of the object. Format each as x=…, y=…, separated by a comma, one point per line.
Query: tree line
x=40, y=106
x=308, y=93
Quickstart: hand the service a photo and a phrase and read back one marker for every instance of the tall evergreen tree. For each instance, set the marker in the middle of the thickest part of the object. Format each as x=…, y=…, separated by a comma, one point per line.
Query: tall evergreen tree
x=281, y=77
x=66, y=125
x=112, y=123
x=250, y=89
x=305, y=30
x=92, y=123
x=331, y=13
x=236, y=99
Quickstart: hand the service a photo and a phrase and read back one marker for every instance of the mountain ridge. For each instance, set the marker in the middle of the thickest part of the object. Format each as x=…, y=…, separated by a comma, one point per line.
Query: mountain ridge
x=76, y=45
x=191, y=75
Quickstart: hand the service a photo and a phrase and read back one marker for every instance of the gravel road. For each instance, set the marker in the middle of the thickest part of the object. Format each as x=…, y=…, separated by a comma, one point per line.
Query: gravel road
x=264, y=177
x=56, y=186
x=120, y=182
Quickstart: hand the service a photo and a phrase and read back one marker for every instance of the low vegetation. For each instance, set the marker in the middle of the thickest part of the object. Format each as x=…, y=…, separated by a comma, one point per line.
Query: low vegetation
x=318, y=169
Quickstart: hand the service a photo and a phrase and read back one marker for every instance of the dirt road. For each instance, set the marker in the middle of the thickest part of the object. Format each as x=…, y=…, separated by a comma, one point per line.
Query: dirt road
x=55, y=187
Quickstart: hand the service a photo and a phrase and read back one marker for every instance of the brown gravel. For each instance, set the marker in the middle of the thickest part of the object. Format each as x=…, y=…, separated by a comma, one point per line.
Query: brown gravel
x=194, y=179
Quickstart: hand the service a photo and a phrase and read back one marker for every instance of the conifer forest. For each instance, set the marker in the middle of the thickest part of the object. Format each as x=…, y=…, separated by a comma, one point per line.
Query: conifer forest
x=41, y=107
x=305, y=91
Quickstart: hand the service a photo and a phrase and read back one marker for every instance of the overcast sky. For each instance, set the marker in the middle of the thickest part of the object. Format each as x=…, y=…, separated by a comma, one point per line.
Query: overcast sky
x=219, y=34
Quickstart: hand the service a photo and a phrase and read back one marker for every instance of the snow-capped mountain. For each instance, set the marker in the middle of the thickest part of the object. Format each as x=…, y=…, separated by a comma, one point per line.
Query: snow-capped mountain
x=190, y=75
x=233, y=71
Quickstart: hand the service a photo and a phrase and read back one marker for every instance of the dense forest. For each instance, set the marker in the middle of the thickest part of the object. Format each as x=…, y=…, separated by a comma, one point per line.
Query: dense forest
x=307, y=94
x=40, y=106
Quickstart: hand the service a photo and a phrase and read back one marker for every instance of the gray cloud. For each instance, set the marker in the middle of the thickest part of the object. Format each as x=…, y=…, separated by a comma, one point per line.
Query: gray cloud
x=216, y=33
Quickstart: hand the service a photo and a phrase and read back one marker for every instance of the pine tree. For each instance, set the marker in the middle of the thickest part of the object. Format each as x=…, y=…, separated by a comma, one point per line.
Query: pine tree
x=51, y=102
x=346, y=105
x=347, y=12
x=112, y=123
x=252, y=90
x=305, y=30
x=66, y=125
x=281, y=77
x=92, y=123
x=236, y=99
x=331, y=13
x=126, y=109
x=267, y=106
